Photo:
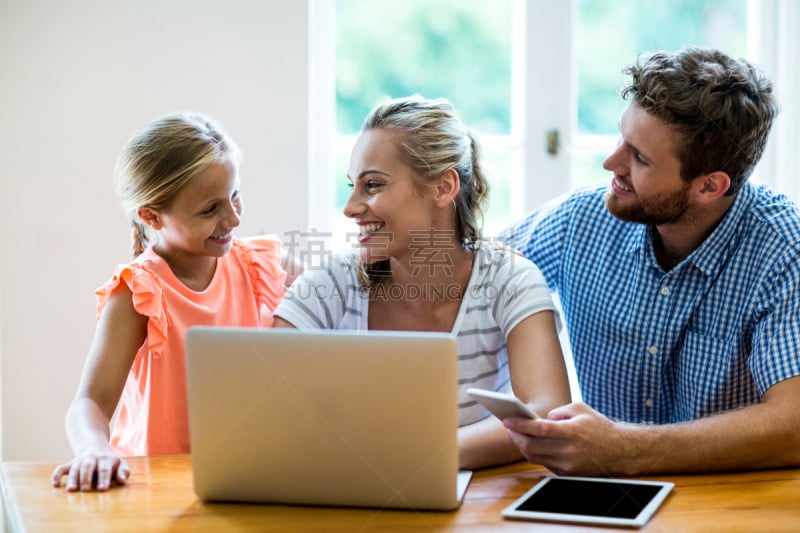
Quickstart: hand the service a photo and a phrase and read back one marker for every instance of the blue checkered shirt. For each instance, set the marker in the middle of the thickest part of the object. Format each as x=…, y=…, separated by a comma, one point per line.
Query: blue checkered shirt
x=650, y=346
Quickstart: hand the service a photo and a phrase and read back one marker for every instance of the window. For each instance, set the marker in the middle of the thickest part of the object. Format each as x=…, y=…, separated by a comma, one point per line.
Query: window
x=517, y=70
x=456, y=49
x=611, y=35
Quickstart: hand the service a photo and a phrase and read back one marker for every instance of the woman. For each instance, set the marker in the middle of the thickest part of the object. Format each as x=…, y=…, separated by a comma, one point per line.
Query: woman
x=418, y=190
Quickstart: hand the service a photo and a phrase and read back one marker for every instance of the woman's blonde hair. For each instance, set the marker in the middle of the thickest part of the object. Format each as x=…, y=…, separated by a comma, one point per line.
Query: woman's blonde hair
x=161, y=158
x=435, y=142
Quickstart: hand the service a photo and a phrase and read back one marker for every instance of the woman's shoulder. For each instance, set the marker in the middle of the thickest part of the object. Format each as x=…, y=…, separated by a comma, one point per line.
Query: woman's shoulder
x=336, y=267
x=334, y=270
x=499, y=264
x=499, y=255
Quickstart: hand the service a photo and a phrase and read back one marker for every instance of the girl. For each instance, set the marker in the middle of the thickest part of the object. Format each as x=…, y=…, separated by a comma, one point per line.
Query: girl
x=418, y=189
x=178, y=180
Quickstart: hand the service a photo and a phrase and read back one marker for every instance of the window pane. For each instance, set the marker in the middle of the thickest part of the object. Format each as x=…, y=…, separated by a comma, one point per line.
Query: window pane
x=498, y=166
x=457, y=49
x=588, y=168
x=612, y=34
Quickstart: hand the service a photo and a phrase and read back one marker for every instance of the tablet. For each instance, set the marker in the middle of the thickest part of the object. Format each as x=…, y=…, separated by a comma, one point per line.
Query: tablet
x=603, y=501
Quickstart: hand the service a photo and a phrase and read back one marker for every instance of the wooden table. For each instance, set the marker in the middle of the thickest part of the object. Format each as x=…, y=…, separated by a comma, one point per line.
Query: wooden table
x=160, y=498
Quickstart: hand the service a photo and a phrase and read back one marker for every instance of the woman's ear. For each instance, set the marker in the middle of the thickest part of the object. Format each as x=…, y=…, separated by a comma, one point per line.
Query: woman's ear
x=447, y=188
x=149, y=216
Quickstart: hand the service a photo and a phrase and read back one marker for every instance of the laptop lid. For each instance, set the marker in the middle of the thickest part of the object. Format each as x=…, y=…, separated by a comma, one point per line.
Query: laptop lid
x=324, y=418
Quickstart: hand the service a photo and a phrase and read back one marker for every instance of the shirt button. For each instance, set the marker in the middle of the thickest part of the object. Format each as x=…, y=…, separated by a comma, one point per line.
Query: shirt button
x=653, y=350
x=665, y=291
x=648, y=402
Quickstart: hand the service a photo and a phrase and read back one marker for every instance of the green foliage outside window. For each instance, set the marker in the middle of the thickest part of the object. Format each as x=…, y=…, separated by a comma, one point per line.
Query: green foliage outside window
x=461, y=50
x=457, y=49
x=611, y=35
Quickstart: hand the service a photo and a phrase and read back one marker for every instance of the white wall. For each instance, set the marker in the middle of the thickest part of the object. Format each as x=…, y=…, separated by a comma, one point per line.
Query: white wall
x=77, y=77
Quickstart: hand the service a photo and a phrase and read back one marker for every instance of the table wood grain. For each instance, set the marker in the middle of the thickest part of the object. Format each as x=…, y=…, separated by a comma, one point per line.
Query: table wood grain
x=159, y=497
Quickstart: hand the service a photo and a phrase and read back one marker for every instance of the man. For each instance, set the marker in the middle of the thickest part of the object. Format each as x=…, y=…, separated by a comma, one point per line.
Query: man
x=680, y=284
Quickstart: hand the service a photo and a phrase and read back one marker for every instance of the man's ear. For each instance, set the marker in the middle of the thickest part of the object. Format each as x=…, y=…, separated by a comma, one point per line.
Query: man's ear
x=447, y=188
x=149, y=216
x=712, y=186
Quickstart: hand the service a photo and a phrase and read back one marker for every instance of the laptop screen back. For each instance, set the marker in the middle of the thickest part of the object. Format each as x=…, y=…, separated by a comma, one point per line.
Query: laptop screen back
x=324, y=418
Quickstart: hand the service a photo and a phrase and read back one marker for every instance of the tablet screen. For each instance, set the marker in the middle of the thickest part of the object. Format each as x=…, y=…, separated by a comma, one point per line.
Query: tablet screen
x=591, y=500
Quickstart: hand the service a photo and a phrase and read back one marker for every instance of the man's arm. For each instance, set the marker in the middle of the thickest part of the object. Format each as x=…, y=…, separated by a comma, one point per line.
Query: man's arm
x=576, y=440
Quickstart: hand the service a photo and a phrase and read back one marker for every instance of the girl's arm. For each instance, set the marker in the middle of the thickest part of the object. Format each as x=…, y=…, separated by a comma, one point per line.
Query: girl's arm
x=120, y=333
x=538, y=377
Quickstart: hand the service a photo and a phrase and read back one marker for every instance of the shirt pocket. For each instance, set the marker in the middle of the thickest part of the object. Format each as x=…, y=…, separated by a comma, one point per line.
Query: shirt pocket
x=708, y=376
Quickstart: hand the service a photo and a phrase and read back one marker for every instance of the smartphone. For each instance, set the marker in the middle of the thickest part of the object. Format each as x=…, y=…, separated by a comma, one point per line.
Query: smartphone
x=501, y=405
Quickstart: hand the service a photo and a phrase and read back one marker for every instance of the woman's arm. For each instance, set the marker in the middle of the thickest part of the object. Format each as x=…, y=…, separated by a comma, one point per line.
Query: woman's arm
x=485, y=443
x=536, y=363
x=281, y=323
x=120, y=332
x=538, y=377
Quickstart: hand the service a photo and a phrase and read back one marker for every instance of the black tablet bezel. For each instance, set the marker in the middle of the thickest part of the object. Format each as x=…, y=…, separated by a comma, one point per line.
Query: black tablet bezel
x=514, y=510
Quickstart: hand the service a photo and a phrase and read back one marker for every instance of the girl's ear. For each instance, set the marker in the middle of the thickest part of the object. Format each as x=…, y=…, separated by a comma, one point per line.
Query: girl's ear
x=149, y=216
x=447, y=188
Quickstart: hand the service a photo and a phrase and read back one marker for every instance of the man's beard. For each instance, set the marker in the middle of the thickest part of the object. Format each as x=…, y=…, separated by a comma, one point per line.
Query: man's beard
x=656, y=211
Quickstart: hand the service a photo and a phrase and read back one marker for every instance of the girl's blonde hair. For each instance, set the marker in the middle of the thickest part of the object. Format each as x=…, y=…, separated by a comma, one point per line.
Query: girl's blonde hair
x=161, y=158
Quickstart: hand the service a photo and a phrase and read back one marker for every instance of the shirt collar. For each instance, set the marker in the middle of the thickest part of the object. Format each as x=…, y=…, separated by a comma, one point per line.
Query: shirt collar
x=712, y=252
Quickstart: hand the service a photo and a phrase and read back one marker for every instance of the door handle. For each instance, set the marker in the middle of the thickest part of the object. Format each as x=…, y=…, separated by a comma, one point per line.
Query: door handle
x=553, y=142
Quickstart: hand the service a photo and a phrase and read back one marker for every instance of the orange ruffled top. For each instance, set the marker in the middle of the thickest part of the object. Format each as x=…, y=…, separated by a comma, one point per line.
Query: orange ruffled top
x=153, y=414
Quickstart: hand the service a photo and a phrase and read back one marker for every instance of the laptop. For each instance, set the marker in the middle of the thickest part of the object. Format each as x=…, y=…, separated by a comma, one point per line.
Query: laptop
x=335, y=418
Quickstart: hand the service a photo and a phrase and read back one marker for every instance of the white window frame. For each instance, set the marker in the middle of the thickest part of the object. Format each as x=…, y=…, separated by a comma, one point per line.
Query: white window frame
x=774, y=45
x=321, y=111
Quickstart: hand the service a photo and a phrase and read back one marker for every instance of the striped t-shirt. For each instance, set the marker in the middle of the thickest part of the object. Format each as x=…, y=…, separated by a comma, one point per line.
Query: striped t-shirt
x=504, y=288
